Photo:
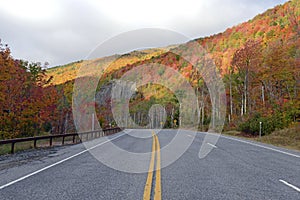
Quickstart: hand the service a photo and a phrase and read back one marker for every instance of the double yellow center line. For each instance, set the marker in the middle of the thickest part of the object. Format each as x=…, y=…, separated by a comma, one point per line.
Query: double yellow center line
x=155, y=161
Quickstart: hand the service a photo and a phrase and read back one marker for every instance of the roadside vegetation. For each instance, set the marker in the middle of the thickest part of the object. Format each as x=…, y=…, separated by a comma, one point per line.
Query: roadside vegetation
x=258, y=60
x=286, y=138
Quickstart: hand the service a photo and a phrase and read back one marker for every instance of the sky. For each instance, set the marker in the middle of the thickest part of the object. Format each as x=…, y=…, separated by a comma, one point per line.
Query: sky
x=63, y=31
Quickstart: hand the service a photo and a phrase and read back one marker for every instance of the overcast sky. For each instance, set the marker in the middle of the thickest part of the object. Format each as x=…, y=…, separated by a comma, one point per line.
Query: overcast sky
x=62, y=31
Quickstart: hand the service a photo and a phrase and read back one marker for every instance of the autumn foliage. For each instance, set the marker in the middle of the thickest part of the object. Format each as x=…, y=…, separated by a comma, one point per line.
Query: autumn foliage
x=26, y=107
x=259, y=61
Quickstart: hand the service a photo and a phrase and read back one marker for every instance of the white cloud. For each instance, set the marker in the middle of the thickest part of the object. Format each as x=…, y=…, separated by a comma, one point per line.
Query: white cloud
x=31, y=10
x=153, y=12
x=61, y=31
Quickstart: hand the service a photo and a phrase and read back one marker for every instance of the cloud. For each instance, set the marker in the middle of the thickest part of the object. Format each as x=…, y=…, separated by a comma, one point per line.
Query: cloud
x=60, y=31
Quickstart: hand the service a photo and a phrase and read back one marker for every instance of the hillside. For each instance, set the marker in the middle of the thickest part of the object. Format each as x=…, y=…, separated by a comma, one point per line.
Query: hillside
x=62, y=74
x=259, y=61
x=279, y=23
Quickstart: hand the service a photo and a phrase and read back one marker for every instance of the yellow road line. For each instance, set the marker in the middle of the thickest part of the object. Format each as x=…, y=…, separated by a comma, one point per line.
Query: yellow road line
x=157, y=191
x=155, y=158
x=147, y=190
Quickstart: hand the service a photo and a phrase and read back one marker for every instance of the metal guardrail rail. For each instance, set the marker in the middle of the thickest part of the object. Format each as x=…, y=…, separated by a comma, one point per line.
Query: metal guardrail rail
x=82, y=136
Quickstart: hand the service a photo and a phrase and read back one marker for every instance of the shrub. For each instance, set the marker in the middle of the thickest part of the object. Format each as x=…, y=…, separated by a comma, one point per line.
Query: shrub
x=269, y=124
x=161, y=71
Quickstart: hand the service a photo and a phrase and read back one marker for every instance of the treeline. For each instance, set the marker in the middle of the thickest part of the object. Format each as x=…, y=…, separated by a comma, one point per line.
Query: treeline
x=29, y=104
x=263, y=85
x=259, y=62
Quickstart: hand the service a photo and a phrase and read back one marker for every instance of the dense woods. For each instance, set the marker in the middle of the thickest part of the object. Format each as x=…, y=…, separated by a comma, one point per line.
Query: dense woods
x=28, y=107
x=259, y=61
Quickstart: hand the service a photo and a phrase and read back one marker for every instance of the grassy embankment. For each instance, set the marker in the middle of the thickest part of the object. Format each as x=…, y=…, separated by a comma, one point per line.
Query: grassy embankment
x=287, y=138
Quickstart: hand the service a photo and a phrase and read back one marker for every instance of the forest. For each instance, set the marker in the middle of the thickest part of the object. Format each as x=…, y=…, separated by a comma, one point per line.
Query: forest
x=259, y=61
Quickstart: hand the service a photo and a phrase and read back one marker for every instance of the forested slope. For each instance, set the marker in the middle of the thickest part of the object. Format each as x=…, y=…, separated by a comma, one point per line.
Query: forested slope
x=259, y=61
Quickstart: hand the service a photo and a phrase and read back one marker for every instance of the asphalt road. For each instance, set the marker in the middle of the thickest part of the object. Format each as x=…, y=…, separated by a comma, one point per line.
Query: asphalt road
x=234, y=169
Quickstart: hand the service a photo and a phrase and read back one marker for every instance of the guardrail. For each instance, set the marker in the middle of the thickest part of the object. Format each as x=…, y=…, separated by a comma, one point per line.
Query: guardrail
x=82, y=136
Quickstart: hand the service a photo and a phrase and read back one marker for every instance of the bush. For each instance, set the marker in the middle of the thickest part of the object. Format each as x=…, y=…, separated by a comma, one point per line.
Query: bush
x=47, y=127
x=161, y=71
x=269, y=124
x=4, y=135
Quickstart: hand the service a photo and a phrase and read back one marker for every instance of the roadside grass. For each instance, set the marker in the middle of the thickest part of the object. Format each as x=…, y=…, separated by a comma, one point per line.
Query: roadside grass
x=6, y=148
x=287, y=138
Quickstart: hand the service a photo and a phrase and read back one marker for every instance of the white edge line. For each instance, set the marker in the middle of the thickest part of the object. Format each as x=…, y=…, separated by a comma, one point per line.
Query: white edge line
x=262, y=146
x=212, y=145
x=57, y=163
x=290, y=185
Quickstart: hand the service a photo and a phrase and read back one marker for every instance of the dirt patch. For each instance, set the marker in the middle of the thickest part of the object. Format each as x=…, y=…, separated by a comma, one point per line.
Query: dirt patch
x=26, y=156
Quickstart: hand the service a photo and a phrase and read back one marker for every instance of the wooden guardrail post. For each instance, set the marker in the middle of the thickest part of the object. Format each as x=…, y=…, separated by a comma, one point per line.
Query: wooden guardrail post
x=12, y=147
x=75, y=137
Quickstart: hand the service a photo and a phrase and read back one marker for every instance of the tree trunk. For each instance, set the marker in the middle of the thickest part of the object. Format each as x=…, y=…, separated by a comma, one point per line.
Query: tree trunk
x=202, y=107
x=242, y=106
x=263, y=94
x=245, y=95
x=230, y=97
